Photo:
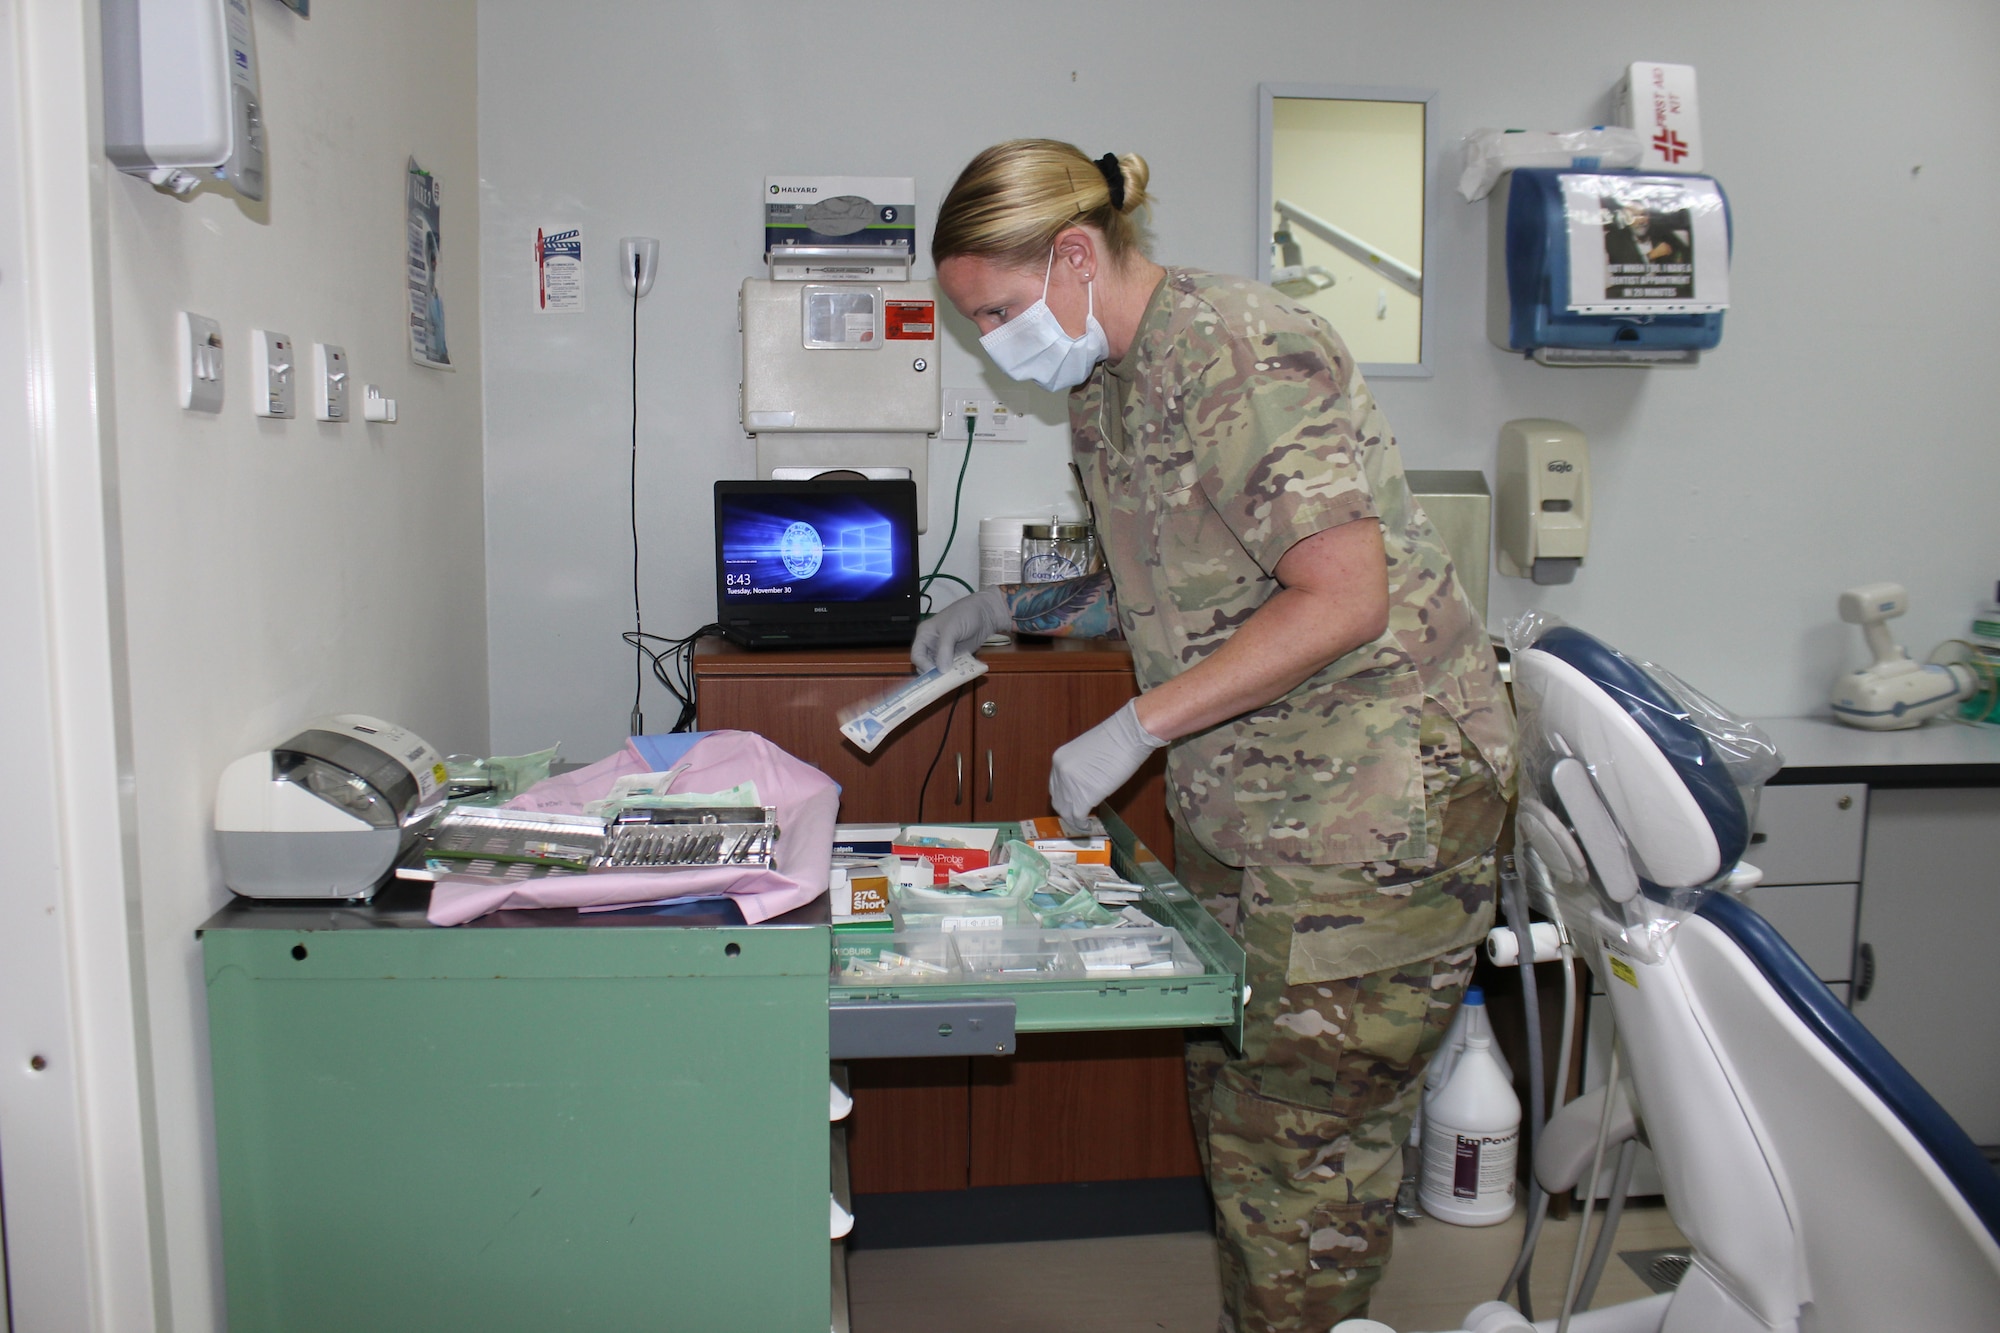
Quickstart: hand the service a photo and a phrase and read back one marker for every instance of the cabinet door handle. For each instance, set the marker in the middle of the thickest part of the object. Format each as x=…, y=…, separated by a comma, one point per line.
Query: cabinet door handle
x=989, y=777
x=958, y=790
x=1864, y=973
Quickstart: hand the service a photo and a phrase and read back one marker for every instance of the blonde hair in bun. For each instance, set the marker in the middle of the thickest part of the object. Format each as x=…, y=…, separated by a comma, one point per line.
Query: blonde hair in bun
x=1012, y=200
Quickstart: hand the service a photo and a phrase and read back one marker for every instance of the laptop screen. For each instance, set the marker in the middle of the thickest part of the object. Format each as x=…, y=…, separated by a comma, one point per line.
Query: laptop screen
x=809, y=549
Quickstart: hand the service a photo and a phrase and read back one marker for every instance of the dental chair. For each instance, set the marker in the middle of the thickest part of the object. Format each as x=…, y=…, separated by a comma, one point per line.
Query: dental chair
x=1820, y=1188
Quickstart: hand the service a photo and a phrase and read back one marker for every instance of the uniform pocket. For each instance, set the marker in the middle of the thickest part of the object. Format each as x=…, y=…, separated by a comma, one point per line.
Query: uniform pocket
x=1359, y=930
x=1350, y=1236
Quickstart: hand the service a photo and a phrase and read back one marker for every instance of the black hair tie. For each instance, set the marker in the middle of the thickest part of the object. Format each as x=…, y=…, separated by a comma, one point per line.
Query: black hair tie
x=1114, y=176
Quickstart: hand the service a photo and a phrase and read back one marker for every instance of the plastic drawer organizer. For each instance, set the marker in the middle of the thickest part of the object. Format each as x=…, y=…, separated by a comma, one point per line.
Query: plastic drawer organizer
x=1189, y=976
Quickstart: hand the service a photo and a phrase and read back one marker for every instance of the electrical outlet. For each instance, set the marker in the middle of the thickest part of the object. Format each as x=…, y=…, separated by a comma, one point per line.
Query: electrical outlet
x=993, y=421
x=271, y=375
x=329, y=382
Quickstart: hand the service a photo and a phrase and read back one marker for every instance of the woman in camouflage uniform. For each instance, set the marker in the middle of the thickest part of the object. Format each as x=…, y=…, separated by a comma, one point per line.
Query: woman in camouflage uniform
x=1340, y=752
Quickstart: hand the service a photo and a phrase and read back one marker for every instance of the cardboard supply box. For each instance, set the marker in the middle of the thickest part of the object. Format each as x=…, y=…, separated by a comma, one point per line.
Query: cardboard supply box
x=1659, y=102
x=950, y=848
x=1045, y=835
x=859, y=888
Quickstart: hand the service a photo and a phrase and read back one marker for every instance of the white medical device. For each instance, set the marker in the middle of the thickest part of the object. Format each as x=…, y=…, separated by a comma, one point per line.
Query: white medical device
x=1542, y=500
x=1799, y=1159
x=327, y=813
x=840, y=348
x=1892, y=692
x=181, y=100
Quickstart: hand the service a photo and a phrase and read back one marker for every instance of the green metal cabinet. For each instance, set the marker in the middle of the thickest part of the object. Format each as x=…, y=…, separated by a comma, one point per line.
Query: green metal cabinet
x=522, y=1125
x=546, y=1121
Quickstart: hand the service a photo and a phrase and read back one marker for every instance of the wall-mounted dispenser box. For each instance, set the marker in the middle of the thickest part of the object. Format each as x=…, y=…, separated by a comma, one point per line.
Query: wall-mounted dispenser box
x=1607, y=268
x=1542, y=495
x=842, y=376
x=181, y=100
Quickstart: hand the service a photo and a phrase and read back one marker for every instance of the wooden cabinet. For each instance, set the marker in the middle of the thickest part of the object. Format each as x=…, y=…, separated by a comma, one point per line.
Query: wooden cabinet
x=981, y=755
x=1065, y=1107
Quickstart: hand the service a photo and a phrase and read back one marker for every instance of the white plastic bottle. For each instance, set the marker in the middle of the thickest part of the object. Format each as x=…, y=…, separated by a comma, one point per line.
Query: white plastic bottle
x=1472, y=1137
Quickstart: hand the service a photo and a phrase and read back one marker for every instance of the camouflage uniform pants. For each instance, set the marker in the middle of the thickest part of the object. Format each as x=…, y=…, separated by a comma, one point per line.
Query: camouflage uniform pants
x=1355, y=972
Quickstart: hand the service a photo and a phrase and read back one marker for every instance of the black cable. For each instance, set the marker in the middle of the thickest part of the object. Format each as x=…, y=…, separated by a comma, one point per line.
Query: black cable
x=673, y=667
x=638, y=717
x=971, y=423
x=944, y=739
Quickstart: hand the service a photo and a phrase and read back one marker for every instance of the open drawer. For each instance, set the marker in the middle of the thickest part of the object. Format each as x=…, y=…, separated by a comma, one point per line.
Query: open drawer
x=974, y=1000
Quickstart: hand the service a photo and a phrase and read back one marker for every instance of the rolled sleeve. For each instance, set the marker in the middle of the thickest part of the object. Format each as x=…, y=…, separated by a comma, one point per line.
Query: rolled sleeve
x=1278, y=442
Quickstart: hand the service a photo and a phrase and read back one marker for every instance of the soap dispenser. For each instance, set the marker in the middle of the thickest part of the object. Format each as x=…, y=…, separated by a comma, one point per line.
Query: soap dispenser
x=1542, y=495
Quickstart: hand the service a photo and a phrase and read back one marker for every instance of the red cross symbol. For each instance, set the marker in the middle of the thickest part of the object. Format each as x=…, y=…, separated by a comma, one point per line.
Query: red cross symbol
x=1670, y=146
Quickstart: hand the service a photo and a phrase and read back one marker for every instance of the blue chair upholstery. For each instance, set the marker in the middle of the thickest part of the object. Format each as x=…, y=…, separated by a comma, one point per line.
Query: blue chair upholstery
x=1831, y=1021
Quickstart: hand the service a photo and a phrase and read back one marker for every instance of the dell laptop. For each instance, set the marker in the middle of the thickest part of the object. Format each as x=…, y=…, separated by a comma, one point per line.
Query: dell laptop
x=820, y=563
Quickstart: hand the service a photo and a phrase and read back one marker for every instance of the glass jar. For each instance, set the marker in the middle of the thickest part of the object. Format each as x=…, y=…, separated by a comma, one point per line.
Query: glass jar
x=1054, y=551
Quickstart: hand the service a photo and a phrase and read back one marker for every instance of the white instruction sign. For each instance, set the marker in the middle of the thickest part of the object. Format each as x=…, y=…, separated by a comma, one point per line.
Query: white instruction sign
x=1646, y=245
x=558, y=270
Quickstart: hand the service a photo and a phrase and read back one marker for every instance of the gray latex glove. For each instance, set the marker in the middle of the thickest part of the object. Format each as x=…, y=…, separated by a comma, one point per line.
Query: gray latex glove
x=959, y=628
x=1097, y=763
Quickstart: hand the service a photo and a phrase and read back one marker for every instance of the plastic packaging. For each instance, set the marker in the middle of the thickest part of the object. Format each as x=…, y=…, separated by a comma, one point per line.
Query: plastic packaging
x=903, y=958
x=1627, y=903
x=1472, y=1138
x=1491, y=153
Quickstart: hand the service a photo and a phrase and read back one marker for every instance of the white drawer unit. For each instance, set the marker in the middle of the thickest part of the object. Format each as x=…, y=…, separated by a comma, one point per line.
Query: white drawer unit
x=1815, y=919
x=1810, y=834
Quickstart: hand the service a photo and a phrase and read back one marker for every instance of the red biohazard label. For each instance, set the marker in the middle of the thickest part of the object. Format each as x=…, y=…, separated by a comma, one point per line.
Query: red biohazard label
x=913, y=321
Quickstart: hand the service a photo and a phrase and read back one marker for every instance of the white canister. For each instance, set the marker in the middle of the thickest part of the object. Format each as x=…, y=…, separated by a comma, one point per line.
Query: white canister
x=1000, y=550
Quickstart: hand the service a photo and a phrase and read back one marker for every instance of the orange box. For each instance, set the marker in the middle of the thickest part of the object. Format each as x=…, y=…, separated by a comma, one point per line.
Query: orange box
x=1044, y=833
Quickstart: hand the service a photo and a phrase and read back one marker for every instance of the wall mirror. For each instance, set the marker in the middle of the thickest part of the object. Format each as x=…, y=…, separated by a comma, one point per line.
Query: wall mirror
x=1341, y=177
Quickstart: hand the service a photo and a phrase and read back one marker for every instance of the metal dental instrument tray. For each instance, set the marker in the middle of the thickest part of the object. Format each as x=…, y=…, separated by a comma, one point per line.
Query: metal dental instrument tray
x=497, y=842
x=679, y=837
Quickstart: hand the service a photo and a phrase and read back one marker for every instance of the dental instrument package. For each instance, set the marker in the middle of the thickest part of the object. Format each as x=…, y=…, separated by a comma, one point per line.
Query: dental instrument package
x=1607, y=267
x=770, y=855
x=845, y=228
x=871, y=721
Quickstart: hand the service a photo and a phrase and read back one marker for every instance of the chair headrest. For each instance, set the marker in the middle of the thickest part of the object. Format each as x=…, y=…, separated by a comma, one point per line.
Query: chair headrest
x=1653, y=799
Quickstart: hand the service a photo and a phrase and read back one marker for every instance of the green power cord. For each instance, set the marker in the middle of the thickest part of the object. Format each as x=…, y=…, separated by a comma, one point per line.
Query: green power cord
x=957, y=494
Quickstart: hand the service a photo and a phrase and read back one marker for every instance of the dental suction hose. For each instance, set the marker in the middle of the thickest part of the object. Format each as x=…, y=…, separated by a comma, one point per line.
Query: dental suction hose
x=1506, y=948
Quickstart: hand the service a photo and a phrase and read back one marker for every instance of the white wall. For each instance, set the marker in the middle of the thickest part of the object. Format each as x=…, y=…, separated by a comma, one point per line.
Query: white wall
x=1839, y=434
x=275, y=571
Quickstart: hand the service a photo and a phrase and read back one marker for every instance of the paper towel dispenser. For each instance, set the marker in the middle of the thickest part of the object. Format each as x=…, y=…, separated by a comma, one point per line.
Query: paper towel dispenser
x=1598, y=268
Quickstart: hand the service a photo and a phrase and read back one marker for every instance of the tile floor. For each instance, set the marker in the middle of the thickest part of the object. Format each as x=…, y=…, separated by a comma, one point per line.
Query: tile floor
x=1147, y=1284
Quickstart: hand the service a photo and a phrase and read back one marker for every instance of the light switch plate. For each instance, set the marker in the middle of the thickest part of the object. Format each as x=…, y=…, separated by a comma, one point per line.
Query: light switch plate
x=271, y=374
x=329, y=382
x=198, y=342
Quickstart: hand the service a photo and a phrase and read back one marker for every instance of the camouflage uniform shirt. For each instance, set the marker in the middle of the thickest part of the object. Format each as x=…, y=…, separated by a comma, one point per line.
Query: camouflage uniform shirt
x=1235, y=426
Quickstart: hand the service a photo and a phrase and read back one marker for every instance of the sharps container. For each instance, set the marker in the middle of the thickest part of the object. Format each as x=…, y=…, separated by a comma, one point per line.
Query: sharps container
x=1000, y=550
x=1056, y=550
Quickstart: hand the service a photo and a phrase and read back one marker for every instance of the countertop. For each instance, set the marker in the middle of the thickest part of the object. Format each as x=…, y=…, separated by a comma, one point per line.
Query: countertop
x=1940, y=753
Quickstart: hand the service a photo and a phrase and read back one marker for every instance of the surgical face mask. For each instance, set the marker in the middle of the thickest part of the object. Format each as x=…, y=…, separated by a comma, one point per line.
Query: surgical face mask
x=1032, y=345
